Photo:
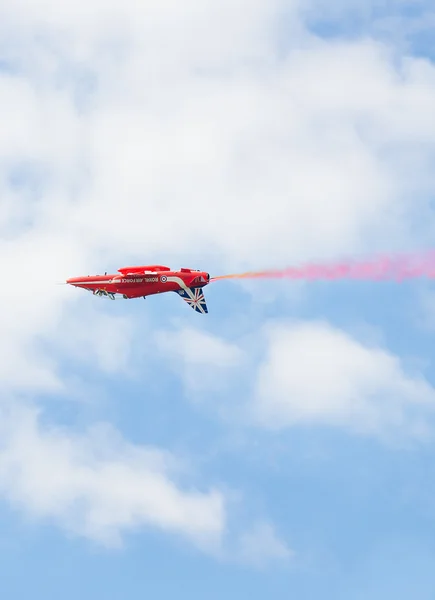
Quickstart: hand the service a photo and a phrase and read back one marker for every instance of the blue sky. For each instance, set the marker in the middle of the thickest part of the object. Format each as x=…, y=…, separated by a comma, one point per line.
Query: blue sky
x=283, y=444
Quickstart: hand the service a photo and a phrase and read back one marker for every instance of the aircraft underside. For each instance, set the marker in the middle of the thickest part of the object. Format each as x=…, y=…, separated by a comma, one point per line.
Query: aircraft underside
x=194, y=297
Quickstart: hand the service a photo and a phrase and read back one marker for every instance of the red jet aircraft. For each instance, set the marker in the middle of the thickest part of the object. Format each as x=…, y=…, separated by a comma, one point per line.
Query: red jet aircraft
x=140, y=282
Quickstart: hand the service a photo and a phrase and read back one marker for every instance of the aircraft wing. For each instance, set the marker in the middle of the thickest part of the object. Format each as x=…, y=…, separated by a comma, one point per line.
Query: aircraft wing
x=194, y=298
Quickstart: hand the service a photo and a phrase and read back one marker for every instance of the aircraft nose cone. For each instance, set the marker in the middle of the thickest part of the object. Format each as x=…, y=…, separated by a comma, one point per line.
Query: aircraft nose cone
x=73, y=280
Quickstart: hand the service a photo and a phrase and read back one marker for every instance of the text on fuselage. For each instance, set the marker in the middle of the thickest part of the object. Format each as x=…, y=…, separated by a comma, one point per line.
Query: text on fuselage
x=140, y=280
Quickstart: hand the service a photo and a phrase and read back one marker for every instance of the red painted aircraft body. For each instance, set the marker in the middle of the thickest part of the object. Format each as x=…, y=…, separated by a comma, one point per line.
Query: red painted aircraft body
x=143, y=281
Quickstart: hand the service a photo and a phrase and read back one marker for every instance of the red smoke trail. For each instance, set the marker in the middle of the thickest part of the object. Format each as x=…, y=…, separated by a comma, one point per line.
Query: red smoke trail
x=381, y=268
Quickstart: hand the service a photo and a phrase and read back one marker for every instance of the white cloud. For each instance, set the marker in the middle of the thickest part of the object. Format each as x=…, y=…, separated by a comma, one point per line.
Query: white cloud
x=260, y=546
x=99, y=486
x=205, y=361
x=101, y=339
x=283, y=169
x=316, y=374
x=223, y=146
x=171, y=33
x=198, y=348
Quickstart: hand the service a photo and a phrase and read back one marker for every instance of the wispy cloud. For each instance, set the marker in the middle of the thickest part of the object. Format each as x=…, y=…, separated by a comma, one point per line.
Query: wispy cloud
x=304, y=373
x=204, y=361
x=98, y=485
x=314, y=373
x=261, y=546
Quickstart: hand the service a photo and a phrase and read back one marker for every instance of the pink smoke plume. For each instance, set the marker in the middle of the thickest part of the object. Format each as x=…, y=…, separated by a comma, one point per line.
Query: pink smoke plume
x=381, y=268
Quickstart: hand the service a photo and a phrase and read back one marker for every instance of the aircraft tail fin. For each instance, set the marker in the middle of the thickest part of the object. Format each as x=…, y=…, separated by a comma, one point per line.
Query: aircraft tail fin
x=194, y=298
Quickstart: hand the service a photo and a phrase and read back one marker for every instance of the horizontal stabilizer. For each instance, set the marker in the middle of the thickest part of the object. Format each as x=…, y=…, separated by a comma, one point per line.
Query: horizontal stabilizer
x=194, y=298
